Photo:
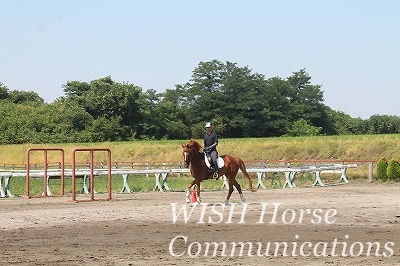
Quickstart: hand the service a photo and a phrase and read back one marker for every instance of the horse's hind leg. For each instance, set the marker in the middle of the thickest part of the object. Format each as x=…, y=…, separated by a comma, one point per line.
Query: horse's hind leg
x=239, y=189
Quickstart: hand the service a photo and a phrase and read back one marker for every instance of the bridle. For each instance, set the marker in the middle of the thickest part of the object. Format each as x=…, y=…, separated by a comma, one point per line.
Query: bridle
x=187, y=156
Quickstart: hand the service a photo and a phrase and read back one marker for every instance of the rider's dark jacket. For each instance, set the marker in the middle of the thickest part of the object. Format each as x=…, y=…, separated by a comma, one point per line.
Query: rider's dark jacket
x=211, y=140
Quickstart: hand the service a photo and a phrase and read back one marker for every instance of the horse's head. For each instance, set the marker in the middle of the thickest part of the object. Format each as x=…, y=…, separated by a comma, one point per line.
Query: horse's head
x=190, y=151
x=187, y=155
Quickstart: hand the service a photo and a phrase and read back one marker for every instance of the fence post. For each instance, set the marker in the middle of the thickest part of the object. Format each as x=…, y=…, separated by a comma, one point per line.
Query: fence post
x=370, y=171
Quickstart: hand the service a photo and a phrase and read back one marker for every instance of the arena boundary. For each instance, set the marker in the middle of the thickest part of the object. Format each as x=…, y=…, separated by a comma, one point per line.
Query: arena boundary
x=161, y=174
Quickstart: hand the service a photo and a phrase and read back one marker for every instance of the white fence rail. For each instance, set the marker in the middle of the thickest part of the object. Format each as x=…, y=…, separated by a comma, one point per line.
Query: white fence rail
x=161, y=176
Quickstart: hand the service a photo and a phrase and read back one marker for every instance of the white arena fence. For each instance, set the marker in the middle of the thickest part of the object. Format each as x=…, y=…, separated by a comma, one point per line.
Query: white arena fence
x=291, y=171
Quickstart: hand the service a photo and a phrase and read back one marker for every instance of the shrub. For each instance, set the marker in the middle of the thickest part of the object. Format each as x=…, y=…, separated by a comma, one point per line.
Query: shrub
x=381, y=168
x=393, y=169
x=302, y=128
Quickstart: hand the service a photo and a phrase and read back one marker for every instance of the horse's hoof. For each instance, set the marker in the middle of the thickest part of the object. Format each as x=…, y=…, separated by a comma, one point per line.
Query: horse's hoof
x=187, y=200
x=242, y=198
x=226, y=202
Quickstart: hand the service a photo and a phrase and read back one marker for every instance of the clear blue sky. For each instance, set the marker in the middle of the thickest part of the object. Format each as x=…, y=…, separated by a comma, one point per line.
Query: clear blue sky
x=350, y=47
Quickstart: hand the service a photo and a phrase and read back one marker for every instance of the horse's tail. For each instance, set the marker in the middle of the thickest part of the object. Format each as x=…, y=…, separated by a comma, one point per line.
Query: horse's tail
x=242, y=167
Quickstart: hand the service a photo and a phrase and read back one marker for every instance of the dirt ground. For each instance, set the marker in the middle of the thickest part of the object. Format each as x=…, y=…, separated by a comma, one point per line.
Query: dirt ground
x=147, y=228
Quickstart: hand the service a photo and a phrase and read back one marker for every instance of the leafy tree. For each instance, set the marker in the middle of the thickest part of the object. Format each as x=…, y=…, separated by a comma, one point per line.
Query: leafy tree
x=305, y=99
x=108, y=99
x=383, y=124
x=247, y=105
x=28, y=97
x=103, y=129
x=344, y=124
x=245, y=101
x=302, y=128
x=76, y=88
x=3, y=91
x=205, y=98
x=276, y=110
x=19, y=123
x=150, y=126
x=163, y=115
x=230, y=93
x=237, y=101
x=64, y=122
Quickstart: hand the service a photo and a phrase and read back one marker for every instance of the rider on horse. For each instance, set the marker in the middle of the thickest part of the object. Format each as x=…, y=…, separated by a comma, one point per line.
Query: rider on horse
x=210, y=147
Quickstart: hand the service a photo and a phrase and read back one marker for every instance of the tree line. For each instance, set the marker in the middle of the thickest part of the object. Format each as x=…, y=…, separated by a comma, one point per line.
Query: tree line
x=237, y=101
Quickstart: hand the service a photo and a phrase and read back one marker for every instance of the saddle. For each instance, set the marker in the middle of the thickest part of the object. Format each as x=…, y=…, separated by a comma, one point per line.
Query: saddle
x=207, y=159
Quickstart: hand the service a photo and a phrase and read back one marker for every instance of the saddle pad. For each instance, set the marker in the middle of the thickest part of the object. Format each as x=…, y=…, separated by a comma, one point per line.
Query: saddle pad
x=220, y=161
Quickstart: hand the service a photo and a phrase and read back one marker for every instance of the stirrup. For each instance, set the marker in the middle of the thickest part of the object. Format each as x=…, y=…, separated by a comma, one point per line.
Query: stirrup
x=215, y=176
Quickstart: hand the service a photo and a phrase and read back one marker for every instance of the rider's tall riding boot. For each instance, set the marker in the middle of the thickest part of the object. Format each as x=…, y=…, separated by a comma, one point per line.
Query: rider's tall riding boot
x=215, y=170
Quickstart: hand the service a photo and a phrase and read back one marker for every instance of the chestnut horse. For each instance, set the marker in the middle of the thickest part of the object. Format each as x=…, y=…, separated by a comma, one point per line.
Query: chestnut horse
x=194, y=156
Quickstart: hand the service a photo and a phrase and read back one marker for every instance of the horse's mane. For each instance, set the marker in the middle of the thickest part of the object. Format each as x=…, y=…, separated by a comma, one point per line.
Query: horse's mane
x=194, y=143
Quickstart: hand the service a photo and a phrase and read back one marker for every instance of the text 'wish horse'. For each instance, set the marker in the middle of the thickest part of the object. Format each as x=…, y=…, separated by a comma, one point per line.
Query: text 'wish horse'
x=194, y=156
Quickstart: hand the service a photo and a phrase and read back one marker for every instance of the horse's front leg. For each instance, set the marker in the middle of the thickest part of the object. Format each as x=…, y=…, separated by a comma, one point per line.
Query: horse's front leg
x=229, y=193
x=198, y=199
x=189, y=187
